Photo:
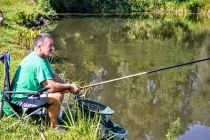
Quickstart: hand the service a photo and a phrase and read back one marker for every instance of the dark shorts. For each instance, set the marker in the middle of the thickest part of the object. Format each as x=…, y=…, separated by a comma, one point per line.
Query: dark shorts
x=33, y=102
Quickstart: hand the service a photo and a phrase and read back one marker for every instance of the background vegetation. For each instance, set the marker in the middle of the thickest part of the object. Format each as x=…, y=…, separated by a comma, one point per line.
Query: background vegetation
x=128, y=6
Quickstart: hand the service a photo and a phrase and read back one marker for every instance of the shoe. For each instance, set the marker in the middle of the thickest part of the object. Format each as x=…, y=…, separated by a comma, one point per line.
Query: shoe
x=59, y=128
x=59, y=121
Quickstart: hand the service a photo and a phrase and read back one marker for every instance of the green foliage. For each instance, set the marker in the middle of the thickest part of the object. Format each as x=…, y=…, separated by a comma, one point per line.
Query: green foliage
x=26, y=37
x=25, y=19
x=90, y=6
x=44, y=5
x=181, y=1
x=15, y=32
x=174, y=130
x=31, y=18
x=195, y=6
x=139, y=5
x=127, y=6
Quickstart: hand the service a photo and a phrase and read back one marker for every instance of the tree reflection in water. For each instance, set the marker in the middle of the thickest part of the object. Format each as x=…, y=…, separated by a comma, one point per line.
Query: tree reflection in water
x=144, y=105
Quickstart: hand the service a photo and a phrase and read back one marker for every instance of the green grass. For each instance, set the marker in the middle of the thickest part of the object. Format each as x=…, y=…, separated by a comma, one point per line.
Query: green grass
x=76, y=126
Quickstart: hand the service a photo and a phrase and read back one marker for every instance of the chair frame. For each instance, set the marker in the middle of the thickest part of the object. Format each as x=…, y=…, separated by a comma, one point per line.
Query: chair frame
x=6, y=97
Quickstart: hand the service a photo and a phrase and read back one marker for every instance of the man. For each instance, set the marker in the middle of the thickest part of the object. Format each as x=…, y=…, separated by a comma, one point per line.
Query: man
x=35, y=73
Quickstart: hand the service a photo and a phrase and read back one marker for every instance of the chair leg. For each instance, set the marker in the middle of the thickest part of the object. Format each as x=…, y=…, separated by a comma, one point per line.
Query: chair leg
x=22, y=119
x=40, y=129
x=1, y=109
x=12, y=125
x=15, y=113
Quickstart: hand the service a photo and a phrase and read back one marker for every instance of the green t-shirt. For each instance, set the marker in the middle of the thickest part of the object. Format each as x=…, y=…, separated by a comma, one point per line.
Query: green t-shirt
x=30, y=74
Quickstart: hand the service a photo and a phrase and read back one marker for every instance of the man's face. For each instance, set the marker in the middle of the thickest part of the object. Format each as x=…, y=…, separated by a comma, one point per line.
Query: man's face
x=47, y=47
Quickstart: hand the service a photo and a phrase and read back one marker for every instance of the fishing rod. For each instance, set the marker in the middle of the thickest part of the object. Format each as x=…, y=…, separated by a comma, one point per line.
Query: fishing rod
x=142, y=73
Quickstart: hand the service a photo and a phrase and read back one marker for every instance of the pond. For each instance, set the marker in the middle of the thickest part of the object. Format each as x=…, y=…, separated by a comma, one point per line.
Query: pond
x=92, y=48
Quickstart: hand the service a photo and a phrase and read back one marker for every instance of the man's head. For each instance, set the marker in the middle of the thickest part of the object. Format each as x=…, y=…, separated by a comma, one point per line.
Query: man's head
x=43, y=45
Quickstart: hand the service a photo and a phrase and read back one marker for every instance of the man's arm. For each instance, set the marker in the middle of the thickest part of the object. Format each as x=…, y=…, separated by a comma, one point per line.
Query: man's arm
x=60, y=87
x=57, y=78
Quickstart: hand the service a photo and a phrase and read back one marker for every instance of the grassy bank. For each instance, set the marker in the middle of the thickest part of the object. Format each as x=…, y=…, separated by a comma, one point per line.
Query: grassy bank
x=16, y=33
x=82, y=128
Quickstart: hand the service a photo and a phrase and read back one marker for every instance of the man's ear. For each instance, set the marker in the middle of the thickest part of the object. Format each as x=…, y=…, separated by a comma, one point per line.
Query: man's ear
x=39, y=45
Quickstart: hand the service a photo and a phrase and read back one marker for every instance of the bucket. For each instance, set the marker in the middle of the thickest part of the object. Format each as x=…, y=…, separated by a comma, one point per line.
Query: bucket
x=108, y=128
x=94, y=108
x=113, y=131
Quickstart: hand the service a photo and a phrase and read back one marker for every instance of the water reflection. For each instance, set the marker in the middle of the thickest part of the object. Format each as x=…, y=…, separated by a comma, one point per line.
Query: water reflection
x=108, y=48
x=97, y=78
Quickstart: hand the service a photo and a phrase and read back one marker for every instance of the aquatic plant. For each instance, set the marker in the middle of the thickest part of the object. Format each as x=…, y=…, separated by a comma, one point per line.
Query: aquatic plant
x=174, y=130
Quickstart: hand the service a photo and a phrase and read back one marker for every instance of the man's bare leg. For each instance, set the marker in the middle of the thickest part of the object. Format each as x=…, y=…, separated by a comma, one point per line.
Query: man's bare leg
x=54, y=101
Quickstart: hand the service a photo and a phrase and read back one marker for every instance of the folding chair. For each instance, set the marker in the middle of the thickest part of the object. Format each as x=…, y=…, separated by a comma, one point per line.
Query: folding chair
x=20, y=112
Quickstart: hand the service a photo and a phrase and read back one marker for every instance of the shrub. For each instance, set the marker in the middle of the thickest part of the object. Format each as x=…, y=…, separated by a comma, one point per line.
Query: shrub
x=195, y=6
x=44, y=5
x=25, y=19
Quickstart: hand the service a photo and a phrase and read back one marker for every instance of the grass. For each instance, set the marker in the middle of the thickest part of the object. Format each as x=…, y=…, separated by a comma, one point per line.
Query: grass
x=76, y=126
x=86, y=126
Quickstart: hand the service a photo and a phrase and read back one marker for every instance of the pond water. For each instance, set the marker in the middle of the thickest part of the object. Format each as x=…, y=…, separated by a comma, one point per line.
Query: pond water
x=92, y=48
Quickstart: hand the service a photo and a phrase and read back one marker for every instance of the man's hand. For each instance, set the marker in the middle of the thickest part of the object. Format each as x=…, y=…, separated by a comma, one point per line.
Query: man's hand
x=74, y=88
